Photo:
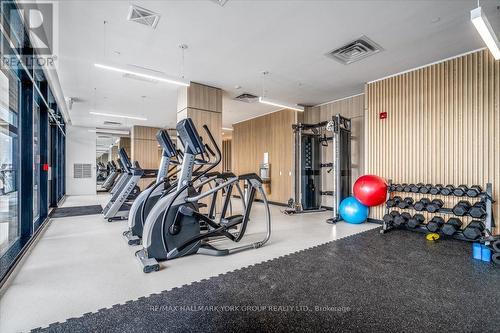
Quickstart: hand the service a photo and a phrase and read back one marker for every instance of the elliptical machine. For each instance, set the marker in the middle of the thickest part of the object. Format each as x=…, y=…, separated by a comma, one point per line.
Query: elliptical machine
x=172, y=228
x=148, y=198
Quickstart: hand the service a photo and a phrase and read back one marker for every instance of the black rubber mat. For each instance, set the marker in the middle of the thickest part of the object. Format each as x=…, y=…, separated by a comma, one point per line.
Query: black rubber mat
x=76, y=211
x=397, y=282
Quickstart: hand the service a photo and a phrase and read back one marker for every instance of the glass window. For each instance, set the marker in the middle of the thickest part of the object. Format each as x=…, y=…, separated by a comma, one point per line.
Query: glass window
x=9, y=159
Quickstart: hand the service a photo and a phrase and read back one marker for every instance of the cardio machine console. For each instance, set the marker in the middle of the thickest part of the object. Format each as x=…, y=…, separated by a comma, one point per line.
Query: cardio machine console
x=125, y=159
x=189, y=136
x=166, y=143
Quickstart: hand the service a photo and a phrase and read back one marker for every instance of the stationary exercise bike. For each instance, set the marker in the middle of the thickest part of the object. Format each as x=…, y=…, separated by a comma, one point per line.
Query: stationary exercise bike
x=172, y=228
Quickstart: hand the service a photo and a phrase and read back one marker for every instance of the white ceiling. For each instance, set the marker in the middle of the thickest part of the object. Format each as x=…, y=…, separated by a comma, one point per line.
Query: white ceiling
x=230, y=46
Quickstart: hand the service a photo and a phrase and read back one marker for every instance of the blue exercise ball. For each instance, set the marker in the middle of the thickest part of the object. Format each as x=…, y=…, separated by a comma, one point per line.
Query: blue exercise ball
x=353, y=211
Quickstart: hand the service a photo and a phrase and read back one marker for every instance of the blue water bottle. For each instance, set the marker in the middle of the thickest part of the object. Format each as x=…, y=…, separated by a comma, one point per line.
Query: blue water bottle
x=485, y=253
x=476, y=251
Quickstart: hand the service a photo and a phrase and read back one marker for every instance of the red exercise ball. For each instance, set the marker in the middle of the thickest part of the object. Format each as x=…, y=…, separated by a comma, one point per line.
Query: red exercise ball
x=370, y=190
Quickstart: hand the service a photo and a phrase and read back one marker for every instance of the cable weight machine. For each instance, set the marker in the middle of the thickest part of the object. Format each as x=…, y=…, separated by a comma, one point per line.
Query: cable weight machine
x=310, y=139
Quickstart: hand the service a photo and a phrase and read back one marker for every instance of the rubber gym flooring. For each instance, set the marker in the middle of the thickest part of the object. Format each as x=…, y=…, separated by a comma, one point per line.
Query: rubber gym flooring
x=366, y=282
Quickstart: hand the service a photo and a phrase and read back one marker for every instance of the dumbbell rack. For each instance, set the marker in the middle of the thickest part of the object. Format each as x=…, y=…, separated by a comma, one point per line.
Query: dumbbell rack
x=487, y=195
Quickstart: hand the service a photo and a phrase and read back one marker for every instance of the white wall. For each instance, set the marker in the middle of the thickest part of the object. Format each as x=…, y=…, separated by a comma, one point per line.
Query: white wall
x=80, y=148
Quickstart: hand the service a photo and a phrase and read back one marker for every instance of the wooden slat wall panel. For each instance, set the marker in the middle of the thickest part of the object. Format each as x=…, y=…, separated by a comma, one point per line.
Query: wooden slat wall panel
x=353, y=108
x=145, y=149
x=226, y=155
x=124, y=142
x=270, y=133
x=113, y=153
x=212, y=119
x=104, y=158
x=442, y=126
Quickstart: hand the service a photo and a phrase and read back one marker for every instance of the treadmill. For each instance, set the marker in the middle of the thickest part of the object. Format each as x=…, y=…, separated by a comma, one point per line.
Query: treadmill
x=118, y=208
x=122, y=177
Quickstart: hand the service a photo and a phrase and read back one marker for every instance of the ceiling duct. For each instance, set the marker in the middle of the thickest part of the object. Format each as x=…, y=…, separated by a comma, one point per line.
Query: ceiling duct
x=111, y=123
x=247, y=98
x=143, y=16
x=112, y=131
x=139, y=78
x=354, y=51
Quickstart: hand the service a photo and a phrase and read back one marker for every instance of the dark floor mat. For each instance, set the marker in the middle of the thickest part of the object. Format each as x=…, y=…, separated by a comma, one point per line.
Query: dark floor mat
x=76, y=211
x=397, y=282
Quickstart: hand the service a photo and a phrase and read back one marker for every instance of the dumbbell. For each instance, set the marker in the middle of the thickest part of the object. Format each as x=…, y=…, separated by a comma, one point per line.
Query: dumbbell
x=407, y=187
x=495, y=257
x=406, y=203
x=435, y=224
x=400, y=187
x=436, y=189
x=447, y=190
x=461, y=208
x=415, y=221
x=460, y=191
x=496, y=245
x=451, y=226
x=421, y=204
x=393, y=202
x=389, y=218
x=474, y=230
x=392, y=188
x=434, y=205
x=474, y=191
x=424, y=189
x=478, y=210
x=401, y=219
x=415, y=188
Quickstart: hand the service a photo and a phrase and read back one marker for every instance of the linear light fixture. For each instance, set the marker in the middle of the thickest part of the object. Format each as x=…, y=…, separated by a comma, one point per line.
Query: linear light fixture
x=484, y=28
x=268, y=101
x=144, y=74
x=227, y=129
x=116, y=115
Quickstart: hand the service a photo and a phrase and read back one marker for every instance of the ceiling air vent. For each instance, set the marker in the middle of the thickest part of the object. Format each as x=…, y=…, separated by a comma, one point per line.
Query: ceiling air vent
x=111, y=123
x=139, y=78
x=354, y=51
x=220, y=2
x=247, y=98
x=143, y=16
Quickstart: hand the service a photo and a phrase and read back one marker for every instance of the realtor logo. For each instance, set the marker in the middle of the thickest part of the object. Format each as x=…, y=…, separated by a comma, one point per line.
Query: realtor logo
x=37, y=18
